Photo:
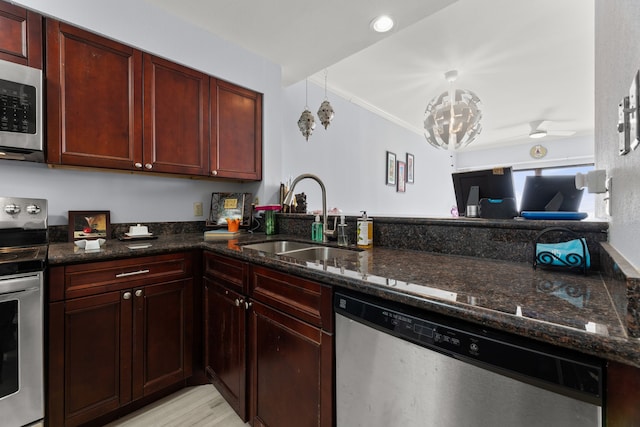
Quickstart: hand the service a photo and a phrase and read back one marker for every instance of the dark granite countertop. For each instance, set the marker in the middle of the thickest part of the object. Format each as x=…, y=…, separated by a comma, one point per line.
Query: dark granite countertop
x=565, y=309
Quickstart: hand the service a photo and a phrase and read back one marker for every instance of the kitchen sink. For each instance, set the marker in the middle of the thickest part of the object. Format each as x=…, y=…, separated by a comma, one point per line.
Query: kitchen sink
x=279, y=246
x=304, y=251
x=322, y=253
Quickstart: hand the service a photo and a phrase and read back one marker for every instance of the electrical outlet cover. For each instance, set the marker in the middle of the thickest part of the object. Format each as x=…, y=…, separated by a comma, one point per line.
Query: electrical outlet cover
x=634, y=116
x=624, y=145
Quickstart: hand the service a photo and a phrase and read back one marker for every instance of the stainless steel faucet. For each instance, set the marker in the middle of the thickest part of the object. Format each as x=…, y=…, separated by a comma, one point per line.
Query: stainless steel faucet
x=289, y=196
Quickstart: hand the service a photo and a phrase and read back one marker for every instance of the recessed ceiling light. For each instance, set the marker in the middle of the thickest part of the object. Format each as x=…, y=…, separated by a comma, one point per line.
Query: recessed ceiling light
x=382, y=24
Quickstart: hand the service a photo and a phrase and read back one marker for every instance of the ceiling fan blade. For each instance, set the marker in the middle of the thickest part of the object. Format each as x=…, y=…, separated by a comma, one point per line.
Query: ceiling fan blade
x=536, y=124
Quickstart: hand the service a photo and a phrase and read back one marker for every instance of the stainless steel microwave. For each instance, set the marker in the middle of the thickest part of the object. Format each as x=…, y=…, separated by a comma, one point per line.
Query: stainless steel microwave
x=21, y=133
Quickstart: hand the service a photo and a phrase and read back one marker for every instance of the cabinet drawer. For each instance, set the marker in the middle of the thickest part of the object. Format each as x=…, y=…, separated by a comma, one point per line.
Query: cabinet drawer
x=97, y=277
x=304, y=299
x=226, y=271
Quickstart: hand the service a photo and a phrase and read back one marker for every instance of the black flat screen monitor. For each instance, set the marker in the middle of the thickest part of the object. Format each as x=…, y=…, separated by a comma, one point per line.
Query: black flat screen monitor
x=551, y=193
x=494, y=183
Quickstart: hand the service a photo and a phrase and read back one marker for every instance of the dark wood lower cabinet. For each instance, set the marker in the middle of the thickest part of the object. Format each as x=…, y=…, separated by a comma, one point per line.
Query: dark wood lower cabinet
x=96, y=342
x=162, y=336
x=291, y=371
x=270, y=355
x=225, y=344
x=120, y=345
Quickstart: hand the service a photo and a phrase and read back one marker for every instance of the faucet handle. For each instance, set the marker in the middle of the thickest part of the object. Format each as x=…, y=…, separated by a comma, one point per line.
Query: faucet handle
x=334, y=231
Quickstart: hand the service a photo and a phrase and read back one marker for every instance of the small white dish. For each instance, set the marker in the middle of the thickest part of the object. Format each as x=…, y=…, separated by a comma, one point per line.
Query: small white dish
x=89, y=244
x=138, y=234
x=138, y=229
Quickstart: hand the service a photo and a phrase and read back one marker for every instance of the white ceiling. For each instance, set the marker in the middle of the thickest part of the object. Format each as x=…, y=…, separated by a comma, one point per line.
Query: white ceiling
x=526, y=60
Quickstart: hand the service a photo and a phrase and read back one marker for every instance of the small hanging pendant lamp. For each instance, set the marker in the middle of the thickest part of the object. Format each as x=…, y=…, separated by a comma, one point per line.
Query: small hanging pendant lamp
x=325, y=112
x=306, y=122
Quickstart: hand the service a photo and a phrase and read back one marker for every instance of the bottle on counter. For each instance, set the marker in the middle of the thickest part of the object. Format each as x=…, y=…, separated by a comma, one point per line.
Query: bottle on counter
x=270, y=222
x=316, y=230
x=343, y=238
x=364, y=231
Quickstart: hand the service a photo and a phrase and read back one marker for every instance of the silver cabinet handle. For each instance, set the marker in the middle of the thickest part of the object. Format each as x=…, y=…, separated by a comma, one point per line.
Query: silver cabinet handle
x=133, y=273
x=247, y=305
x=139, y=293
x=214, y=173
x=127, y=295
x=138, y=165
x=148, y=165
x=237, y=302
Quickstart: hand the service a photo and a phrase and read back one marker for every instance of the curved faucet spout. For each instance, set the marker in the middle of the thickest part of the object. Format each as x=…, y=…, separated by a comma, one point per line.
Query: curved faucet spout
x=289, y=197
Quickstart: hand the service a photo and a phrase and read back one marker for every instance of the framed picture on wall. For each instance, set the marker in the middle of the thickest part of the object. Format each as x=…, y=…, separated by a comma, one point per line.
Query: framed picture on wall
x=391, y=168
x=89, y=225
x=402, y=170
x=410, y=160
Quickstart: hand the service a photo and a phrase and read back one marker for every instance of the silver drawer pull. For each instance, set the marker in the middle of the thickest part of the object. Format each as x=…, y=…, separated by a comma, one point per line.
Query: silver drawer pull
x=133, y=273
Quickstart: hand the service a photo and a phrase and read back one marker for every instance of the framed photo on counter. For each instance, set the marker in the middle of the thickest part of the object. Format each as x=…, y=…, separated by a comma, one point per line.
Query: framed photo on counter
x=89, y=225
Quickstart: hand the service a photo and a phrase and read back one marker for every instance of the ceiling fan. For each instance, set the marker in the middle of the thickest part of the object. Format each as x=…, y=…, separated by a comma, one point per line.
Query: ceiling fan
x=539, y=130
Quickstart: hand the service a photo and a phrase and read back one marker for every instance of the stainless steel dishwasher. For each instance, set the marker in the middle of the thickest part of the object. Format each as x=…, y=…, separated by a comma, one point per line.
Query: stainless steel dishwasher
x=400, y=366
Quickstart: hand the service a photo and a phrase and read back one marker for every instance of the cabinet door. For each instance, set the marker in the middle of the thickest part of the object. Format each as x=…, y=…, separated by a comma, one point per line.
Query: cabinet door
x=236, y=134
x=20, y=35
x=97, y=355
x=176, y=118
x=225, y=344
x=162, y=340
x=94, y=100
x=291, y=371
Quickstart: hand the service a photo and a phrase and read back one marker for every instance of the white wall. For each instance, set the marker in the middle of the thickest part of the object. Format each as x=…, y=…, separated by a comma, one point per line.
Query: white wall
x=129, y=197
x=617, y=55
x=350, y=158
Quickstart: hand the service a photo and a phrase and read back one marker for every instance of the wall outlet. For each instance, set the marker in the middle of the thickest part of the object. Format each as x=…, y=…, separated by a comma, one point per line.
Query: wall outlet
x=634, y=114
x=197, y=209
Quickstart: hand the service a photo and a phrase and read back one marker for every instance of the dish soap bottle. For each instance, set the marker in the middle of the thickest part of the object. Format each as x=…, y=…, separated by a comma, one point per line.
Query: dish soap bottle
x=343, y=239
x=316, y=230
x=364, y=231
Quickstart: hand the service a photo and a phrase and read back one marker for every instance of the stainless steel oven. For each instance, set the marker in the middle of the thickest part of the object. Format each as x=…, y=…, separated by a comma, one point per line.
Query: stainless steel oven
x=21, y=112
x=23, y=251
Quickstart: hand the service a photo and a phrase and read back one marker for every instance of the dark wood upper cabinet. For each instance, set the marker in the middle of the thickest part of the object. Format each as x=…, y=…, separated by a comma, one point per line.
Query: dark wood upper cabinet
x=94, y=100
x=20, y=35
x=176, y=118
x=236, y=134
x=112, y=106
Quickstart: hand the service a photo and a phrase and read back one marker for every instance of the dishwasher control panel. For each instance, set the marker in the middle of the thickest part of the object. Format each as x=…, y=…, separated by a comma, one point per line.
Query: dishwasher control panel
x=573, y=373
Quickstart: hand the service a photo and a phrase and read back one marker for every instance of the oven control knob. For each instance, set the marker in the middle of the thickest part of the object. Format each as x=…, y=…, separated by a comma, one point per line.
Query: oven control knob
x=33, y=209
x=12, y=209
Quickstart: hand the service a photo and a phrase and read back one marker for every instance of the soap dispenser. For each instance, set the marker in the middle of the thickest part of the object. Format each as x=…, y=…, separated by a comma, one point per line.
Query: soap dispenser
x=343, y=239
x=316, y=230
x=364, y=231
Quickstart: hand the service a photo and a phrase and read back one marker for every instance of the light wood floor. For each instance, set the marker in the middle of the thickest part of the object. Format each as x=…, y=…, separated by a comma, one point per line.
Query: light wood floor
x=200, y=406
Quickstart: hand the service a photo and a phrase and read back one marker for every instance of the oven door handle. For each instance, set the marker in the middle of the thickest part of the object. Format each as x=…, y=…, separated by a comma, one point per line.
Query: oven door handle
x=9, y=296
x=16, y=285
